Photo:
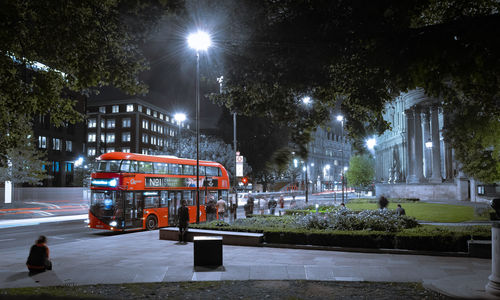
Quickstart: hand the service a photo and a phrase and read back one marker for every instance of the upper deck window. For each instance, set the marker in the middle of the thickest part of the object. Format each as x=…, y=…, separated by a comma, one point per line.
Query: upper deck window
x=108, y=166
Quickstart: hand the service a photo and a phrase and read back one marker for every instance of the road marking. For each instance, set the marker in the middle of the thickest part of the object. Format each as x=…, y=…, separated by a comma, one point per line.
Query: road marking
x=45, y=204
x=4, y=240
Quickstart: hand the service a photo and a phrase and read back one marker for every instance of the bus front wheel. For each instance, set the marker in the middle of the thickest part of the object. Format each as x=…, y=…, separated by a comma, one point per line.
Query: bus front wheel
x=151, y=223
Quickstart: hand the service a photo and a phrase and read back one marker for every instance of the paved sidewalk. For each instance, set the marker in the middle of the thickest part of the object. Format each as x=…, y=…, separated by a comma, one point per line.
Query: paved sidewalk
x=142, y=257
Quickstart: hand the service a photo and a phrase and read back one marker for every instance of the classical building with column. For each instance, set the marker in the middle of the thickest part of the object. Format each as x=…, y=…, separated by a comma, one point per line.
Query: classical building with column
x=413, y=160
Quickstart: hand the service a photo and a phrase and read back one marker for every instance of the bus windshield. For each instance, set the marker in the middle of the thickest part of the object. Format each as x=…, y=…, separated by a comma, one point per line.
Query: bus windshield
x=104, y=203
x=108, y=166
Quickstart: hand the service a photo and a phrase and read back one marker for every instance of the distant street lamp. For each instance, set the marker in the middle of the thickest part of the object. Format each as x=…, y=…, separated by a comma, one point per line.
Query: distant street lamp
x=199, y=41
x=179, y=118
x=306, y=100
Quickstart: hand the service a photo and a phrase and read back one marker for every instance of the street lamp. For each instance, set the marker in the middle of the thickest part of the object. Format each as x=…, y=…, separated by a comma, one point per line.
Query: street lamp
x=179, y=118
x=326, y=174
x=306, y=100
x=199, y=41
x=371, y=143
x=340, y=118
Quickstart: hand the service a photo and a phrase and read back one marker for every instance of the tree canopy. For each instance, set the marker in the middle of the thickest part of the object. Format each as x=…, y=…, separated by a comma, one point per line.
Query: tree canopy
x=361, y=172
x=362, y=54
x=50, y=47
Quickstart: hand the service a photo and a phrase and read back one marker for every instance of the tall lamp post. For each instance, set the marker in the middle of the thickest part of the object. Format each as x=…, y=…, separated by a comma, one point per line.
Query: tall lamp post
x=340, y=118
x=307, y=182
x=198, y=41
x=179, y=118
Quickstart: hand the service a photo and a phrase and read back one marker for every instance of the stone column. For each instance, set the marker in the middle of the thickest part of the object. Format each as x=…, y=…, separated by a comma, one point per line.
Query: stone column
x=410, y=144
x=427, y=137
x=493, y=286
x=417, y=147
x=436, y=146
x=448, y=155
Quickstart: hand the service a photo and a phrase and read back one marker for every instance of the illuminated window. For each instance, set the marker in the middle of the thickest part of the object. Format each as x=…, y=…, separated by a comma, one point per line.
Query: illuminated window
x=91, y=152
x=126, y=137
x=139, y=108
x=91, y=138
x=42, y=142
x=111, y=123
x=56, y=144
x=69, y=146
x=130, y=107
x=92, y=123
x=148, y=111
x=145, y=124
x=115, y=108
x=126, y=150
x=126, y=123
x=110, y=138
x=155, y=114
x=144, y=138
x=108, y=150
x=102, y=109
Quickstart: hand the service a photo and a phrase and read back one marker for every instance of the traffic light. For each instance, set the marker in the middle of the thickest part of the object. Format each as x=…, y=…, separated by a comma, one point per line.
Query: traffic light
x=244, y=180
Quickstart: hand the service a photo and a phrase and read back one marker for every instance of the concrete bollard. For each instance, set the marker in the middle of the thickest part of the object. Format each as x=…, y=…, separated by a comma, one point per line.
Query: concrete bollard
x=493, y=285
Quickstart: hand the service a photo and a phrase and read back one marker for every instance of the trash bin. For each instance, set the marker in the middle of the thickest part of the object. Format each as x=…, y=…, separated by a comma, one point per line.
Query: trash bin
x=207, y=251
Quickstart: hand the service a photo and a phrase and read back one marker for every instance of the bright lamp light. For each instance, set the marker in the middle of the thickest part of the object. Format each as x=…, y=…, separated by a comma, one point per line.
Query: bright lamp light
x=340, y=118
x=180, y=117
x=371, y=143
x=199, y=40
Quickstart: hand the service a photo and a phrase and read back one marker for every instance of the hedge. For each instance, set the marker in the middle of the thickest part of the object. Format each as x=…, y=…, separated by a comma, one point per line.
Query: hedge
x=425, y=238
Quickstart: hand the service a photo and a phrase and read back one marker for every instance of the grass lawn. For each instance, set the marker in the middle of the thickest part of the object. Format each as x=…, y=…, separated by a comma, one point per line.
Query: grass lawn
x=433, y=212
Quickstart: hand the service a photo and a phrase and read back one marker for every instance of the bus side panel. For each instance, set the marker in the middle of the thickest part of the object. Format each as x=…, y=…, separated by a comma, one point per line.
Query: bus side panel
x=162, y=214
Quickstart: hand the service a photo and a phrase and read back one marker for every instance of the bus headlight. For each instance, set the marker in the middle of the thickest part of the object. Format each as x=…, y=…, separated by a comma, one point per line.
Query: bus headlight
x=87, y=221
x=112, y=223
x=113, y=182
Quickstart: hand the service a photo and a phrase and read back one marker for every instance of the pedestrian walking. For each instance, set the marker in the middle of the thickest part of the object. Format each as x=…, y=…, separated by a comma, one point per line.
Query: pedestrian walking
x=272, y=205
x=262, y=205
x=183, y=215
x=39, y=259
x=210, y=210
x=281, y=203
x=221, y=209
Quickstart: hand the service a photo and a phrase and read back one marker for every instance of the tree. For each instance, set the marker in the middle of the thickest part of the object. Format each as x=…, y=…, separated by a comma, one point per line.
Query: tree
x=50, y=47
x=263, y=142
x=361, y=171
x=211, y=148
x=361, y=55
x=23, y=163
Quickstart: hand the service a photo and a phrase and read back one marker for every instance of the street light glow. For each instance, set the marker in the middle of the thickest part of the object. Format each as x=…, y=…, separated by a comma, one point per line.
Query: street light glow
x=180, y=117
x=327, y=167
x=371, y=143
x=199, y=40
x=306, y=100
x=340, y=118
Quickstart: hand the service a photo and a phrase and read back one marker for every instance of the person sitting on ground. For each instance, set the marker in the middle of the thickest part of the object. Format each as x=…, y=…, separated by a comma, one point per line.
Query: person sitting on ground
x=38, y=259
x=400, y=211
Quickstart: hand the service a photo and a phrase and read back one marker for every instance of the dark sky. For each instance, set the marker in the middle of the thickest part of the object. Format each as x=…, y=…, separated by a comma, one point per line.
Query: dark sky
x=171, y=78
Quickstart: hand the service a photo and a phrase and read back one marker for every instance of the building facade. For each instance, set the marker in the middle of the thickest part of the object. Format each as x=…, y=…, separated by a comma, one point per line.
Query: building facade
x=129, y=125
x=63, y=144
x=413, y=160
x=328, y=154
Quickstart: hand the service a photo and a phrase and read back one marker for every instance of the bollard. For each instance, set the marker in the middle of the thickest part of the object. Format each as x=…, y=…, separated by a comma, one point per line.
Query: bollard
x=493, y=285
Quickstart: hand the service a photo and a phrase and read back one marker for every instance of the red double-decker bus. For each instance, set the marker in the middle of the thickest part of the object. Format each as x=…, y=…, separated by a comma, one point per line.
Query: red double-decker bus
x=133, y=191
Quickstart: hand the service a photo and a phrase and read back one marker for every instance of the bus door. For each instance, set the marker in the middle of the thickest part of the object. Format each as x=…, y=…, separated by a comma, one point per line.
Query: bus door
x=133, y=209
x=174, y=200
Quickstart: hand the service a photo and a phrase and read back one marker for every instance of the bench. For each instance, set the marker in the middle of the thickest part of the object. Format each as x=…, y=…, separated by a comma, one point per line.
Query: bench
x=207, y=251
x=228, y=237
x=479, y=248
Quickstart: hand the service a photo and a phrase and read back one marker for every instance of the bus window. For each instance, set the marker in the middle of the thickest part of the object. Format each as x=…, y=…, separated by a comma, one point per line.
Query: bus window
x=188, y=196
x=175, y=169
x=202, y=170
x=108, y=166
x=151, y=199
x=188, y=170
x=212, y=171
x=145, y=167
x=134, y=168
x=163, y=199
x=103, y=203
x=125, y=167
x=160, y=168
